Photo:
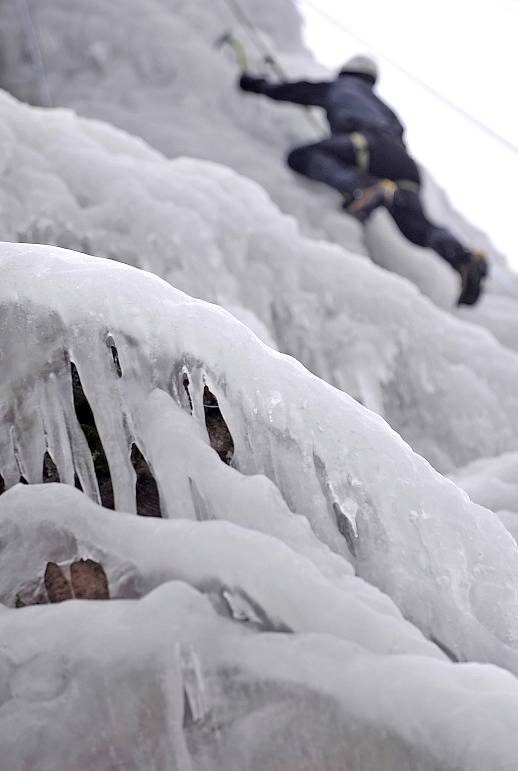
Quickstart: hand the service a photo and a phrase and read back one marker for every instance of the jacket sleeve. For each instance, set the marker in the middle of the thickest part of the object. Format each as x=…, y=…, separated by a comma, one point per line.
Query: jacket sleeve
x=300, y=92
x=399, y=128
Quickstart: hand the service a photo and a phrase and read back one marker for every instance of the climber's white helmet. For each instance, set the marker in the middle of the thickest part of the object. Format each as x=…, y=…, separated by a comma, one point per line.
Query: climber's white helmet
x=361, y=65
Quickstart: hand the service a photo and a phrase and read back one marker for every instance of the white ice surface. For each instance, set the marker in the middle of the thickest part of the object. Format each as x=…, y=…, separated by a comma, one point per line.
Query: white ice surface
x=306, y=579
x=167, y=684
x=448, y=565
x=447, y=387
x=179, y=94
x=299, y=593
x=493, y=482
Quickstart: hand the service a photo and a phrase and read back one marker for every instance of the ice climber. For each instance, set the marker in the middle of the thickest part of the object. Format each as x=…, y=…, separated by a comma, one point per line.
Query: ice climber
x=366, y=160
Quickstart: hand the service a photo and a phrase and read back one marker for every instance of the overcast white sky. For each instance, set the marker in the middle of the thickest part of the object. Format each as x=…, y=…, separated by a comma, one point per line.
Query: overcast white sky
x=466, y=50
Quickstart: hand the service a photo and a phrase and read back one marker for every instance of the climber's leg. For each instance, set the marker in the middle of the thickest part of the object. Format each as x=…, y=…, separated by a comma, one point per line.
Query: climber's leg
x=333, y=162
x=409, y=216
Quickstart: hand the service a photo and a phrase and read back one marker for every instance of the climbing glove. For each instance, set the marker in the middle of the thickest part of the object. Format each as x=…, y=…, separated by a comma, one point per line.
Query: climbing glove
x=249, y=83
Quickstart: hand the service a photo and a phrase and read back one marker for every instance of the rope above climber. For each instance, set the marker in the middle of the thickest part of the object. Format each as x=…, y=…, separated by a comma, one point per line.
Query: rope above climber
x=366, y=160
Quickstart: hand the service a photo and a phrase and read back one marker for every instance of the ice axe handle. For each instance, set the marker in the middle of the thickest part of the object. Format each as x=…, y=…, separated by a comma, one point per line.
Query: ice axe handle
x=229, y=39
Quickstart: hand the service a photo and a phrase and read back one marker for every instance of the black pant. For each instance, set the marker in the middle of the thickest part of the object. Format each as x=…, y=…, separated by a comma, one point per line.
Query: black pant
x=334, y=162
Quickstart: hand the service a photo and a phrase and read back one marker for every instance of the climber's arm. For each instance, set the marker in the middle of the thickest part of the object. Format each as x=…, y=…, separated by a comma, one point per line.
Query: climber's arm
x=300, y=92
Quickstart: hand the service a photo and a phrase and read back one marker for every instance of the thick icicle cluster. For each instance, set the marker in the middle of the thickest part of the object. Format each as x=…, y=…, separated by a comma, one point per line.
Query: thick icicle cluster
x=266, y=644
x=145, y=353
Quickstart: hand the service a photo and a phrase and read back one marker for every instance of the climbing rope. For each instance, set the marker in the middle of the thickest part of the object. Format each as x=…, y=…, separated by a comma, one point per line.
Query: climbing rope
x=421, y=83
x=31, y=33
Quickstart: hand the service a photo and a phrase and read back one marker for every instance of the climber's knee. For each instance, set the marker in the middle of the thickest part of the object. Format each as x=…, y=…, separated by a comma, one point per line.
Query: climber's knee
x=298, y=159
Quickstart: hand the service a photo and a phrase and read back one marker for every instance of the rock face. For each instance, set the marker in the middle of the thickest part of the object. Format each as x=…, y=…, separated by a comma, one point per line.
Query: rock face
x=81, y=580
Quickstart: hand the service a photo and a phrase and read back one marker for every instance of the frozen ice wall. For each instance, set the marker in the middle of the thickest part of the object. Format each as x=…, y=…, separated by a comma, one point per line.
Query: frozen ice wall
x=323, y=598
x=179, y=94
x=252, y=634
x=493, y=482
x=211, y=679
x=446, y=386
x=142, y=372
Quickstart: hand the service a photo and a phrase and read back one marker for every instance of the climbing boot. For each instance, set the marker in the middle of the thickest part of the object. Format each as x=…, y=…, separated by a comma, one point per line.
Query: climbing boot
x=367, y=200
x=472, y=273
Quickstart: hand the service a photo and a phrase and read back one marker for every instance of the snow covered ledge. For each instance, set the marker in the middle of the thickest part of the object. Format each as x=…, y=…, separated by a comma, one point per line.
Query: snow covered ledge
x=167, y=684
x=147, y=357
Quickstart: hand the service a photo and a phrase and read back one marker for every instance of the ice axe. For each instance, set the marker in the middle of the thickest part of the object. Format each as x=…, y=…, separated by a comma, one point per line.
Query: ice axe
x=276, y=67
x=228, y=38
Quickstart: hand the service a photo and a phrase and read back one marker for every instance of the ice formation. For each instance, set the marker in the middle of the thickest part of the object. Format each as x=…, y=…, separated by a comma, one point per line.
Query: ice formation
x=493, y=482
x=204, y=689
x=238, y=539
x=364, y=492
x=216, y=235
x=179, y=95
x=323, y=598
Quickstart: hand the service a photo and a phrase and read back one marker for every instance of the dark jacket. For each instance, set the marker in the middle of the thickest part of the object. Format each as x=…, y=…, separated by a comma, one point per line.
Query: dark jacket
x=349, y=101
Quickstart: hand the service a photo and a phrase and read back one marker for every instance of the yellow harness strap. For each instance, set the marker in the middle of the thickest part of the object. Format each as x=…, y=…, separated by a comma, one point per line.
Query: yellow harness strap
x=361, y=150
x=408, y=184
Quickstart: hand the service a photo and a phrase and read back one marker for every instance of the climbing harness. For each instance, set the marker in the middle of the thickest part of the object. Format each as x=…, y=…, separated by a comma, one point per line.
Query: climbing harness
x=360, y=145
x=408, y=184
x=361, y=150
